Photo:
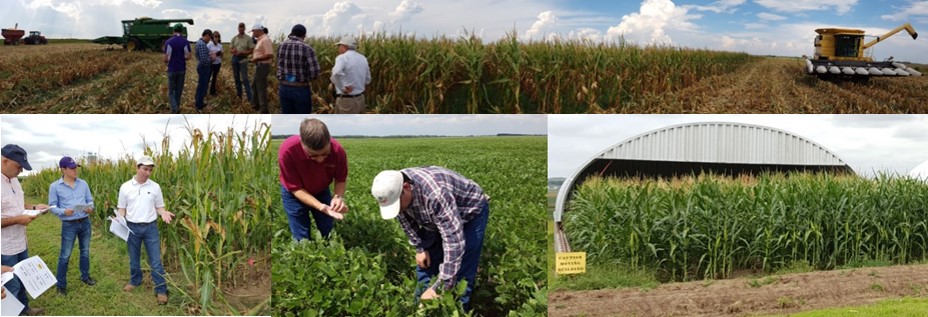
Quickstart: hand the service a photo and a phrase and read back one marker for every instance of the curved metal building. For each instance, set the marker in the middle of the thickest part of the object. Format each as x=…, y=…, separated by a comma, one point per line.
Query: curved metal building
x=719, y=147
x=920, y=171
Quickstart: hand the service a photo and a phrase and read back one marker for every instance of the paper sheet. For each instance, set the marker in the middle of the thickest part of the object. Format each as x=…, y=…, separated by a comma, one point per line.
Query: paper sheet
x=119, y=227
x=11, y=305
x=83, y=208
x=34, y=275
x=7, y=277
x=31, y=212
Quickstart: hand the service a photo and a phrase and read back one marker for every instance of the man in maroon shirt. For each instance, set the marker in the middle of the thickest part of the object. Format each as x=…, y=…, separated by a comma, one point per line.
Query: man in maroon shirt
x=309, y=163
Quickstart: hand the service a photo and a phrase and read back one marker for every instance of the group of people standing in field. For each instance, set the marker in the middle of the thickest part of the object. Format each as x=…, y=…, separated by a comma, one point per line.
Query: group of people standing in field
x=140, y=202
x=297, y=66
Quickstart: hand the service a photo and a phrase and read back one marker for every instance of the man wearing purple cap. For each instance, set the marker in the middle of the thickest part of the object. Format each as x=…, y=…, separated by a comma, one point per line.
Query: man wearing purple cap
x=296, y=66
x=13, y=221
x=67, y=193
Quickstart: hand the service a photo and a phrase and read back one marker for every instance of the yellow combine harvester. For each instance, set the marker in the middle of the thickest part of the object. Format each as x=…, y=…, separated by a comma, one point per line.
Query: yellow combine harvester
x=840, y=52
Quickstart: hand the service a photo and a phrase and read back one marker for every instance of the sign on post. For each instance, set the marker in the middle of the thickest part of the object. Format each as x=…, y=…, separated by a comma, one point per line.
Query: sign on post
x=570, y=263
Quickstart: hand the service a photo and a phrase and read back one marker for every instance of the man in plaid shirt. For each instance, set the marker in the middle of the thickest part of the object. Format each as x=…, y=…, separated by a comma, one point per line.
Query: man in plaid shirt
x=296, y=66
x=445, y=216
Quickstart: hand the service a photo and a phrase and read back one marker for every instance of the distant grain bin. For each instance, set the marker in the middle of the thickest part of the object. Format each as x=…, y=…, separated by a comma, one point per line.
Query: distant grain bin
x=717, y=147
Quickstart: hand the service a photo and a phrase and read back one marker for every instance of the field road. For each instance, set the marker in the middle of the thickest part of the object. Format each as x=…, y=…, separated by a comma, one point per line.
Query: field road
x=779, y=85
x=779, y=294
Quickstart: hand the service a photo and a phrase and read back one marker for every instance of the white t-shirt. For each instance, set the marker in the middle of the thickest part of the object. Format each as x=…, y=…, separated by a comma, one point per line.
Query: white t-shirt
x=213, y=48
x=13, y=236
x=140, y=200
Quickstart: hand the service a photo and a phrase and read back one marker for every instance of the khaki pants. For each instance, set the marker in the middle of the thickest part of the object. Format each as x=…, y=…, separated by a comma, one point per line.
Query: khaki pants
x=350, y=105
x=260, y=87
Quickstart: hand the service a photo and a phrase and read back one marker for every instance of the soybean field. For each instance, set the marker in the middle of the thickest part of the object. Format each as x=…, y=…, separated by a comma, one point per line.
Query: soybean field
x=367, y=266
x=216, y=251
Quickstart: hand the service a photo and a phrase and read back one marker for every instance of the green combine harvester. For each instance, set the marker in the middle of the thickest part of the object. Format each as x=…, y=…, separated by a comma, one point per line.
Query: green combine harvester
x=144, y=34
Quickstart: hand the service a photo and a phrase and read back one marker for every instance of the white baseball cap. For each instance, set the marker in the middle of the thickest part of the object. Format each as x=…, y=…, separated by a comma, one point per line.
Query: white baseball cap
x=348, y=41
x=145, y=160
x=258, y=26
x=387, y=187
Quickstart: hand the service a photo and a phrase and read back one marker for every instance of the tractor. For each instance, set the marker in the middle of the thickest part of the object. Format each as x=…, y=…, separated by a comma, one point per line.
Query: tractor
x=840, y=53
x=145, y=34
x=35, y=38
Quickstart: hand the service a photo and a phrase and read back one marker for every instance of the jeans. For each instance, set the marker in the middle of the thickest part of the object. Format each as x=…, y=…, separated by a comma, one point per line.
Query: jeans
x=473, y=245
x=15, y=286
x=175, y=89
x=260, y=87
x=295, y=99
x=71, y=230
x=146, y=233
x=240, y=73
x=203, y=72
x=297, y=214
x=214, y=73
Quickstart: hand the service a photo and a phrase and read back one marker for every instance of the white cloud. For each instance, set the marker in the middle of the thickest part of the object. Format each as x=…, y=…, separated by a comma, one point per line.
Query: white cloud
x=916, y=9
x=545, y=20
x=586, y=34
x=755, y=26
x=175, y=14
x=770, y=16
x=727, y=6
x=650, y=24
x=405, y=11
x=839, y=6
x=71, y=9
x=338, y=19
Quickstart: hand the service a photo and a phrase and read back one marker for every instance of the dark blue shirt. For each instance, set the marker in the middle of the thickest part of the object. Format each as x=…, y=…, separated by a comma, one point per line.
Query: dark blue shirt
x=176, y=48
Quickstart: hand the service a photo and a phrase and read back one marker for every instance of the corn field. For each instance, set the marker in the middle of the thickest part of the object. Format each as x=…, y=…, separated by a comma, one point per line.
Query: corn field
x=710, y=227
x=409, y=75
x=218, y=186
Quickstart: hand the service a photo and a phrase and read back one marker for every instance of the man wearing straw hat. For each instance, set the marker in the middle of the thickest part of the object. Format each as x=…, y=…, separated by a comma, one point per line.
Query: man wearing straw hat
x=67, y=193
x=350, y=75
x=14, y=222
x=141, y=202
x=445, y=216
x=309, y=163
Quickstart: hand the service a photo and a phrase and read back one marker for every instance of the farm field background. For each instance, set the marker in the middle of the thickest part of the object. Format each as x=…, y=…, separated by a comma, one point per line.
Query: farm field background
x=741, y=241
x=368, y=264
x=410, y=75
x=216, y=251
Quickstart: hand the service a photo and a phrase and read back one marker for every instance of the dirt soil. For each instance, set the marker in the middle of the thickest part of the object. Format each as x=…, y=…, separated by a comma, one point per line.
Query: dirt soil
x=789, y=293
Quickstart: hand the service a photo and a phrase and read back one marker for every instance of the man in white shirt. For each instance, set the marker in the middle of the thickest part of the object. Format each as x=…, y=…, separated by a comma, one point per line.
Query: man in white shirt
x=13, y=242
x=141, y=202
x=350, y=75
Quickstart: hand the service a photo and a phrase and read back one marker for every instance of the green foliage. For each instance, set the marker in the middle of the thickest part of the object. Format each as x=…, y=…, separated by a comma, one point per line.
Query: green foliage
x=511, y=277
x=218, y=186
x=709, y=227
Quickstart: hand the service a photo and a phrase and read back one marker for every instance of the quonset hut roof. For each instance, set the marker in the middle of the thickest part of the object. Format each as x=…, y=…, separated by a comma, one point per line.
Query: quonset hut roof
x=719, y=147
x=920, y=171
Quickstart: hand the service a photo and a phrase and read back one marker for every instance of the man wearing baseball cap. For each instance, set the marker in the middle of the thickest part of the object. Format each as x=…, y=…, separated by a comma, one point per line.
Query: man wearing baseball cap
x=66, y=193
x=141, y=202
x=350, y=75
x=262, y=58
x=296, y=67
x=445, y=216
x=13, y=241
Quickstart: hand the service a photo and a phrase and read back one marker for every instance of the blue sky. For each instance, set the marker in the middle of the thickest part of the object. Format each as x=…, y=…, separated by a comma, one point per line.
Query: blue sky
x=777, y=27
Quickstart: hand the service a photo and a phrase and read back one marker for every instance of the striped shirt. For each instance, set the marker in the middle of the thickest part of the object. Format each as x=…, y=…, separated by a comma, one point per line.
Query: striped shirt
x=202, y=51
x=14, y=204
x=443, y=201
x=296, y=61
x=63, y=196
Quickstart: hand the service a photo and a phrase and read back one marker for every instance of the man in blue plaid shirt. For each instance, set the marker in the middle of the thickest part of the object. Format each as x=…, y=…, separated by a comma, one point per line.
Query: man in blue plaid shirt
x=296, y=66
x=445, y=216
x=204, y=64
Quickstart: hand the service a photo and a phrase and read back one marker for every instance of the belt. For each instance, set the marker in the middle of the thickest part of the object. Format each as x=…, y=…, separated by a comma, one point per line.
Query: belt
x=299, y=84
x=142, y=223
x=348, y=96
x=77, y=220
